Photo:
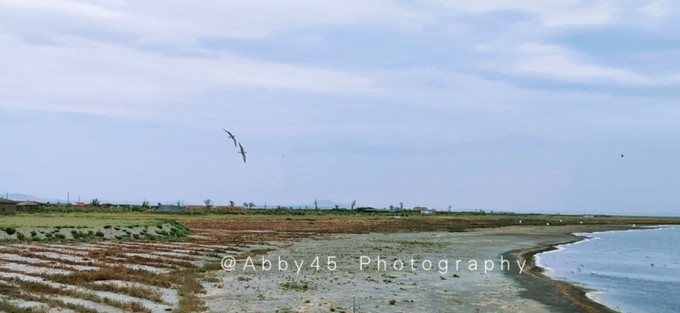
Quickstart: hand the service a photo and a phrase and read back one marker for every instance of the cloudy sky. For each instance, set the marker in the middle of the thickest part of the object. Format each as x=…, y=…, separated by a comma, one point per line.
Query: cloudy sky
x=498, y=105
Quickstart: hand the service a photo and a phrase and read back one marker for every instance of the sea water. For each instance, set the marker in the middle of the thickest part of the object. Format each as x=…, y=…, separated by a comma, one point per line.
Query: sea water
x=629, y=271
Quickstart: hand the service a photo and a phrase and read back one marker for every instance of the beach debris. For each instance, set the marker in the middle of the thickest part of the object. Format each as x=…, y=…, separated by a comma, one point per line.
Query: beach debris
x=547, y=224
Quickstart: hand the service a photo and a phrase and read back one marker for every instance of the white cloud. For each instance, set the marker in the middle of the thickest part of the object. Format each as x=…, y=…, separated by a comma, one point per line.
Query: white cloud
x=551, y=13
x=94, y=77
x=182, y=22
x=67, y=6
x=555, y=62
x=656, y=9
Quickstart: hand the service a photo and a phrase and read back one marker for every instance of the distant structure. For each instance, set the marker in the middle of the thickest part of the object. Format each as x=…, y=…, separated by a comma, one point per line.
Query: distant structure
x=423, y=210
x=8, y=206
x=28, y=206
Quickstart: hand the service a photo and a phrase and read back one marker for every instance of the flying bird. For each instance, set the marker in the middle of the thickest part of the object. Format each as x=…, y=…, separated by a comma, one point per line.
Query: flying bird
x=242, y=152
x=622, y=155
x=230, y=136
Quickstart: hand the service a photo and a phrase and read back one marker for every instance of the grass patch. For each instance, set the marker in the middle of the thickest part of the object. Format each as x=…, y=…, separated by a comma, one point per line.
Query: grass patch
x=6, y=306
x=457, y=229
x=294, y=285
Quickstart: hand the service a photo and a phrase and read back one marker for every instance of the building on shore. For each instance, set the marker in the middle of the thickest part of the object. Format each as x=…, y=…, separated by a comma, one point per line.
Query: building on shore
x=8, y=206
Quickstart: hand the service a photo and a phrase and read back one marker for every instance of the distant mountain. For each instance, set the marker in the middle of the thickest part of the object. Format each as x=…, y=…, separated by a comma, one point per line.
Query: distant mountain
x=25, y=197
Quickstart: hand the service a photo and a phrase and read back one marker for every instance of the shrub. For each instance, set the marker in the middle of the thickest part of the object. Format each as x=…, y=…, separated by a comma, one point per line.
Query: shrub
x=10, y=230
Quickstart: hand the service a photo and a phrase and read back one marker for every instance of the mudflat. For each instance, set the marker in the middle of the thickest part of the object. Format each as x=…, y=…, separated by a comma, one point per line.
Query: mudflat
x=443, y=271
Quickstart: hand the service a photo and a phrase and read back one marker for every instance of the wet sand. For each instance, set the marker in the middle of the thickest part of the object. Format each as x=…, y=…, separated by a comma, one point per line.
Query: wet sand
x=402, y=285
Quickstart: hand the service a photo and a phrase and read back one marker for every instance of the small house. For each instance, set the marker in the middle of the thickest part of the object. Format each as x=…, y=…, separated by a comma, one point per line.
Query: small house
x=8, y=206
x=28, y=206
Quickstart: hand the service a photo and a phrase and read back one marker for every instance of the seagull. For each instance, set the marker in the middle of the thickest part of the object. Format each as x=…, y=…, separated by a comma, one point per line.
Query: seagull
x=242, y=152
x=230, y=136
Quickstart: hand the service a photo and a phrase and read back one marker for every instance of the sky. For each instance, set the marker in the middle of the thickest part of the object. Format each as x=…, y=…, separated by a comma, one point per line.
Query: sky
x=522, y=106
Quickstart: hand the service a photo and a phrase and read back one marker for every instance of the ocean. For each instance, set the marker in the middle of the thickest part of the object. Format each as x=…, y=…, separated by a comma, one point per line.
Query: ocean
x=629, y=271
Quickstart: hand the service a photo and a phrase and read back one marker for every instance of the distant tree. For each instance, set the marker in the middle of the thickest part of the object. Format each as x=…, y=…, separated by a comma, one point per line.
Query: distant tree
x=354, y=203
x=337, y=207
x=94, y=202
x=251, y=205
x=316, y=205
x=208, y=203
x=231, y=203
x=245, y=204
x=179, y=203
x=145, y=204
x=391, y=207
x=449, y=208
x=401, y=205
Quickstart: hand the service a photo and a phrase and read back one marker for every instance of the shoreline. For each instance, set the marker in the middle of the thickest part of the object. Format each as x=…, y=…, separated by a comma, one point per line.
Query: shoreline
x=562, y=296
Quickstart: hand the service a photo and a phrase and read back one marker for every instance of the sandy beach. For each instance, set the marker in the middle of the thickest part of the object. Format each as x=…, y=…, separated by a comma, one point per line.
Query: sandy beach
x=404, y=272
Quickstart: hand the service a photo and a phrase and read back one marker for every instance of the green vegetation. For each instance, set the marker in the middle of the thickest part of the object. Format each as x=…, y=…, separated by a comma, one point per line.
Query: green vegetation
x=63, y=220
x=457, y=229
x=294, y=285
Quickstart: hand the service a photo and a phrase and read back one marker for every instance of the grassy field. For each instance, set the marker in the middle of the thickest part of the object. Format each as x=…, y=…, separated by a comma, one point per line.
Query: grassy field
x=77, y=219
x=263, y=218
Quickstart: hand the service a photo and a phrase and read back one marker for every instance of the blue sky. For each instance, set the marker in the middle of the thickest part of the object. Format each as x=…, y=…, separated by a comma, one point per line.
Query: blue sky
x=497, y=105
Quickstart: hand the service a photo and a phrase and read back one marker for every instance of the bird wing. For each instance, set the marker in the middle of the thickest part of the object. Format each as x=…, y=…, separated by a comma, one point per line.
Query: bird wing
x=243, y=152
x=230, y=136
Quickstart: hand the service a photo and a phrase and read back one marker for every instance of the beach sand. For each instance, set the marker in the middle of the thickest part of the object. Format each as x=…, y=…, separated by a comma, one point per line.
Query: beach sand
x=250, y=287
